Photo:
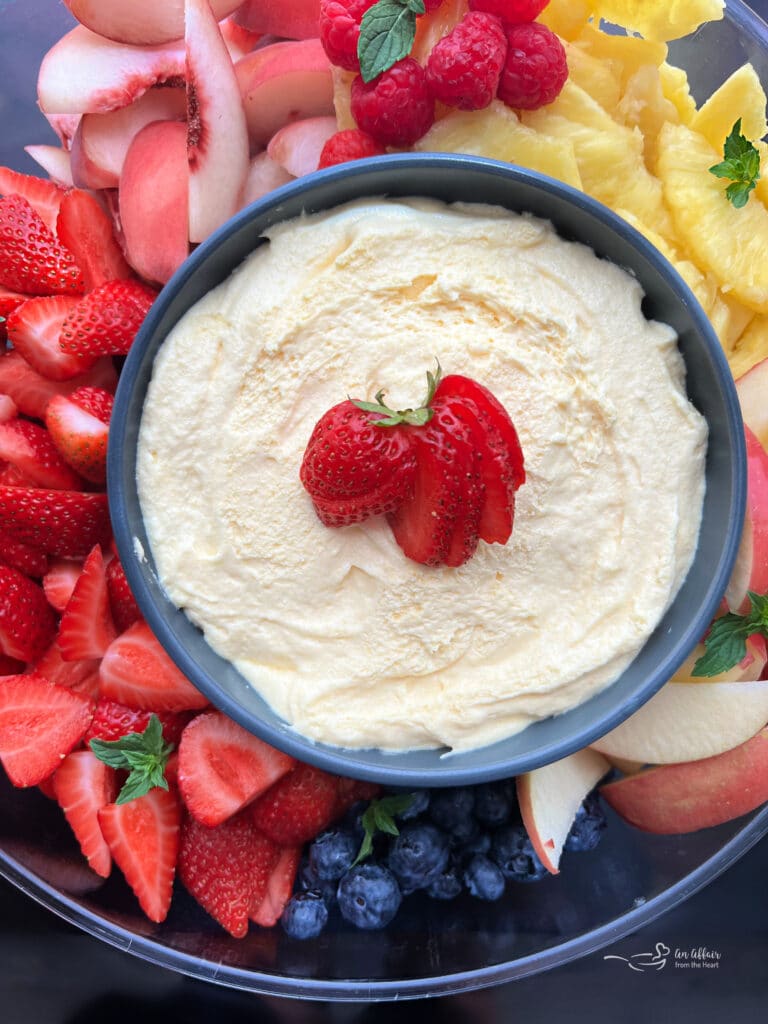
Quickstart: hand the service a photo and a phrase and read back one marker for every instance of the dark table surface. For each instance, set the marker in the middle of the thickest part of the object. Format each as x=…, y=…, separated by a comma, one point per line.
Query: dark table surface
x=51, y=973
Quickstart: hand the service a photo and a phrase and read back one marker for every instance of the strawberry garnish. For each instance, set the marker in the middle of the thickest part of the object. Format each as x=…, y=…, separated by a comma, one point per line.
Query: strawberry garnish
x=86, y=629
x=34, y=329
x=222, y=767
x=39, y=725
x=32, y=392
x=82, y=785
x=42, y=194
x=30, y=560
x=297, y=807
x=32, y=260
x=87, y=232
x=125, y=611
x=143, y=838
x=59, y=581
x=105, y=322
x=64, y=523
x=30, y=448
x=27, y=622
x=78, y=424
x=279, y=888
x=112, y=721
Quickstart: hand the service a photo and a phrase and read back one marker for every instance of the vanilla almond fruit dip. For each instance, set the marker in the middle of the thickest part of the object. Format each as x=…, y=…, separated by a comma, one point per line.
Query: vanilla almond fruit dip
x=347, y=639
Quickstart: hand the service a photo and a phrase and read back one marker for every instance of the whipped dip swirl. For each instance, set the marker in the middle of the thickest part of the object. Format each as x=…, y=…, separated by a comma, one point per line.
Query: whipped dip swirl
x=347, y=639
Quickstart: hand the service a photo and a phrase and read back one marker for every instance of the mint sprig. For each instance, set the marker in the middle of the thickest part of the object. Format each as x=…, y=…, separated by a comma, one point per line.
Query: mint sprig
x=380, y=817
x=394, y=417
x=726, y=641
x=387, y=31
x=144, y=755
x=741, y=167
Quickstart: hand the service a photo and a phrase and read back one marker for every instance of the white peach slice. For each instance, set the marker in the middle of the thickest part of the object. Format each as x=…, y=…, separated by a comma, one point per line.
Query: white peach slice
x=284, y=82
x=102, y=140
x=65, y=126
x=83, y=73
x=141, y=22
x=678, y=798
x=550, y=796
x=154, y=200
x=263, y=176
x=297, y=146
x=752, y=389
x=751, y=569
x=288, y=19
x=240, y=41
x=55, y=161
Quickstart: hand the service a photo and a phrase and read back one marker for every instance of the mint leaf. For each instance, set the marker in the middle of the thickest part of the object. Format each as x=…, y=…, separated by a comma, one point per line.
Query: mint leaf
x=387, y=31
x=144, y=755
x=741, y=167
x=380, y=817
x=726, y=641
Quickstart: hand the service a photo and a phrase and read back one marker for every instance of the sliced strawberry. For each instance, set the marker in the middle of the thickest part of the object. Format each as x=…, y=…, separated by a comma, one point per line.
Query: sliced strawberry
x=125, y=611
x=352, y=791
x=73, y=675
x=31, y=391
x=8, y=302
x=46, y=787
x=297, y=807
x=59, y=581
x=82, y=786
x=30, y=560
x=8, y=408
x=39, y=725
x=222, y=767
x=111, y=721
x=105, y=322
x=86, y=629
x=64, y=523
x=86, y=230
x=34, y=328
x=137, y=672
x=32, y=260
x=226, y=869
x=30, y=448
x=42, y=194
x=79, y=434
x=11, y=476
x=143, y=837
x=27, y=622
x=279, y=888
x=11, y=666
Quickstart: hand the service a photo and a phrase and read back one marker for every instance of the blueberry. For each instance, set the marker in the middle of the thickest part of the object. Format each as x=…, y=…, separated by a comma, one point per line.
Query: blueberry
x=587, y=829
x=483, y=878
x=513, y=851
x=307, y=881
x=448, y=884
x=418, y=855
x=418, y=805
x=305, y=915
x=492, y=804
x=451, y=810
x=332, y=853
x=479, y=843
x=368, y=896
x=353, y=818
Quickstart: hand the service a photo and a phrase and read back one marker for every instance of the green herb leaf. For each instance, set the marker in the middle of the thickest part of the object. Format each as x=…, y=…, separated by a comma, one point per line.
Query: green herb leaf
x=741, y=167
x=144, y=755
x=394, y=417
x=387, y=31
x=380, y=817
x=726, y=641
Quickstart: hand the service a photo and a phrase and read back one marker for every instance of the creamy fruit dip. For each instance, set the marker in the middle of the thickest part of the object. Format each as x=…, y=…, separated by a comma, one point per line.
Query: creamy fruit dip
x=345, y=637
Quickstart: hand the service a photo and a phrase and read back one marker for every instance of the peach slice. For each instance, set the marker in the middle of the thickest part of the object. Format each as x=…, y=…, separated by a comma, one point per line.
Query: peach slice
x=297, y=146
x=143, y=22
x=751, y=569
x=288, y=19
x=65, y=126
x=102, y=140
x=217, y=133
x=240, y=41
x=678, y=798
x=264, y=176
x=86, y=74
x=550, y=796
x=752, y=389
x=54, y=160
x=284, y=82
x=154, y=200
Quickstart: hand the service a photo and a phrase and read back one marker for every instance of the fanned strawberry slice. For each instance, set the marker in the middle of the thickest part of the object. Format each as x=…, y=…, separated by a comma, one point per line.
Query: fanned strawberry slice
x=32, y=260
x=143, y=838
x=279, y=888
x=64, y=523
x=27, y=622
x=86, y=629
x=32, y=561
x=42, y=194
x=125, y=611
x=137, y=672
x=222, y=767
x=30, y=448
x=34, y=328
x=8, y=302
x=32, y=392
x=39, y=725
x=86, y=230
x=83, y=785
x=112, y=721
x=297, y=807
x=105, y=322
x=226, y=869
x=59, y=581
x=72, y=675
x=79, y=427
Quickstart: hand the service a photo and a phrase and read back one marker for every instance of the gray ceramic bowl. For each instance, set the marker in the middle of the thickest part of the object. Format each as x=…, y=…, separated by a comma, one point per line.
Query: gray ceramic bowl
x=710, y=388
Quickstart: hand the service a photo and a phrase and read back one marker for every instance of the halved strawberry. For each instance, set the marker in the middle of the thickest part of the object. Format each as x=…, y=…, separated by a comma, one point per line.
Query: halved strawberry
x=86, y=629
x=32, y=392
x=30, y=448
x=27, y=622
x=111, y=721
x=59, y=581
x=12, y=476
x=86, y=230
x=82, y=786
x=8, y=408
x=9, y=300
x=34, y=328
x=30, y=560
x=72, y=675
x=125, y=610
x=226, y=869
x=39, y=725
x=79, y=427
x=352, y=791
x=143, y=838
x=297, y=807
x=105, y=322
x=279, y=888
x=222, y=767
x=32, y=260
x=64, y=523
x=43, y=195
x=136, y=671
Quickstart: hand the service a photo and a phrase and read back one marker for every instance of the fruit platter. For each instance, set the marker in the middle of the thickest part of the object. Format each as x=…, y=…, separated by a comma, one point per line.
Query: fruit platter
x=131, y=806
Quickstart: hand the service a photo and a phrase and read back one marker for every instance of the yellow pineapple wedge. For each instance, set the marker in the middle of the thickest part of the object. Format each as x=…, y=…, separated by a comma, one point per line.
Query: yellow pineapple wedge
x=626, y=54
x=661, y=20
x=674, y=85
x=742, y=96
x=645, y=106
x=566, y=18
x=751, y=348
x=730, y=318
x=601, y=78
x=731, y=243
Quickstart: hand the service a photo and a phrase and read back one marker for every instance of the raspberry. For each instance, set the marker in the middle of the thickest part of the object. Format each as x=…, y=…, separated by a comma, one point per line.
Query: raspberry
x=536, y=68
x=340, y=29
x=432, y=5
x=463, y=69
x=351, y=144
x=511, y=11
x=396, y=107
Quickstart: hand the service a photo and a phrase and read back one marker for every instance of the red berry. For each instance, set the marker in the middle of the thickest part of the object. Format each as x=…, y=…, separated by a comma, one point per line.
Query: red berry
x=86, y=629
x=297, y=807
x=396, y=108
x=536, y=67
x=112, y=721
x=125, y=611
x=340, y=29
x=27, y=621
x=32, y=259
x=88, y=233
x=106, y=321
x=511, y=11
x=351, y=144
x=79, y=426
x=64, y=523
x=83, y=785
x=463, y=69
x=279, y=888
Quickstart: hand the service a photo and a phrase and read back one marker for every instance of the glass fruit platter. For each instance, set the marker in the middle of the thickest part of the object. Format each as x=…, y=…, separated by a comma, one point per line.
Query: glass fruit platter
x=431, y=948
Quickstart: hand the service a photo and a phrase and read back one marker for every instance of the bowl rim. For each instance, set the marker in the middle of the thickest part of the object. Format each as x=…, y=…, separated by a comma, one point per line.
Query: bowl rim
x=352, y=761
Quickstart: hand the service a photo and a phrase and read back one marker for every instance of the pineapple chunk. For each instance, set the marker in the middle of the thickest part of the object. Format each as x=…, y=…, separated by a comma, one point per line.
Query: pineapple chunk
x=497, y=133
x=566, y=18
x=731, y=243
x=644, y=106
x=751, y=348
x=730, y=318
x=742, y=96
x=674, y=85
x=627, y=53
x=761, y=188
x=600, y=78
x=660, y=19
